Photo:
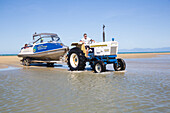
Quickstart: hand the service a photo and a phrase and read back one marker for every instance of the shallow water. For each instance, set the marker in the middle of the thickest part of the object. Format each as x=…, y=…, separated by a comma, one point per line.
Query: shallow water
x=143, y=87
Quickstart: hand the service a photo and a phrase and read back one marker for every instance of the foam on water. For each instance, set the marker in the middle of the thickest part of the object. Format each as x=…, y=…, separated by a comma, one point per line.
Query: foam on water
x=9, y=68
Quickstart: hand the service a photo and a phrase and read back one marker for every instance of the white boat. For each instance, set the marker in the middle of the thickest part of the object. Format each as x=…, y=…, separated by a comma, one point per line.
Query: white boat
x=47, y=47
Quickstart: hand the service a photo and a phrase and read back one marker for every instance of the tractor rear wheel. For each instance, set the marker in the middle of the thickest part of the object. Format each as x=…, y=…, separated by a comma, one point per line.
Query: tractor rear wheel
x=120, y=65
x=76, y=59
x=99, y=67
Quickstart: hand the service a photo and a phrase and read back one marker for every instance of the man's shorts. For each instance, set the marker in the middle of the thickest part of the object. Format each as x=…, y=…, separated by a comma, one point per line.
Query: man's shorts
x=87, y=47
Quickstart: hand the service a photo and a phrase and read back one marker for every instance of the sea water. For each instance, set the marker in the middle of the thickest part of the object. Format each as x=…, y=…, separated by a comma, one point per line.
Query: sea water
x=143, y=87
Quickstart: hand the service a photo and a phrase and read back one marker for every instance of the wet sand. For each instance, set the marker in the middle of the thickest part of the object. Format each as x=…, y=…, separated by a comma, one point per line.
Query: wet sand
x=143, y=87
x=141, y=55
x=14, y=61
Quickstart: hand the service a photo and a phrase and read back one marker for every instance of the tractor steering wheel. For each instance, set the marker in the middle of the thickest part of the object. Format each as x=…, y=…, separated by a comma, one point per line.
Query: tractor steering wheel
x=90, y=42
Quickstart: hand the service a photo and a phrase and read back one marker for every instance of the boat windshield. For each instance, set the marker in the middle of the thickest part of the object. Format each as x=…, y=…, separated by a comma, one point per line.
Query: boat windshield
x=43, y=39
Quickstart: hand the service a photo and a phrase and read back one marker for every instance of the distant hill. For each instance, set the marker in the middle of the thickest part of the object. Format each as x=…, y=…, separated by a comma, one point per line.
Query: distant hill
x=164, y=49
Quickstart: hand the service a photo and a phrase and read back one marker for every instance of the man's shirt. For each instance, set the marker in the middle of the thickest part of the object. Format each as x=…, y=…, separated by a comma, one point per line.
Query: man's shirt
x=87, y=41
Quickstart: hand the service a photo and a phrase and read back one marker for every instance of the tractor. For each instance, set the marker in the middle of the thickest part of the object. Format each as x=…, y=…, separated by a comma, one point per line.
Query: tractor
x=100, y=54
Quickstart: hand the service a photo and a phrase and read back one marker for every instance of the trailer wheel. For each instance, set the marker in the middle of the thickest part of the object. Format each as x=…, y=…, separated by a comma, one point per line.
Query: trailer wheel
x=26, y=62
x=99, y=67
x=120, y=65
x=76, y=59
x=50, y=64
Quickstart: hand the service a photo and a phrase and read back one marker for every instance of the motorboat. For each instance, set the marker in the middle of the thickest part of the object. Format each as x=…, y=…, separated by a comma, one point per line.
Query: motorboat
x=45, y=47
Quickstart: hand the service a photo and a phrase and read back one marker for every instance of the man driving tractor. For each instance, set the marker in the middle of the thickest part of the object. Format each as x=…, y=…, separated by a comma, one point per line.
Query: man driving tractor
x=86, y=41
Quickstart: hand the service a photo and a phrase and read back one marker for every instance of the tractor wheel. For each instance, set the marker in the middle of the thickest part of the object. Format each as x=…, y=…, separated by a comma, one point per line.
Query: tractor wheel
x=76, y=59
x=26, y=61
x=50, y=64
x=120, y=65
x=99, y=67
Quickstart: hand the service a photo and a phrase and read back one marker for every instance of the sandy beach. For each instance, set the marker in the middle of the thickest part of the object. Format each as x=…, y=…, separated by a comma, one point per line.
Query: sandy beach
x=142, y=87
x=6, y=61
x=14, y=61
x=141, y=55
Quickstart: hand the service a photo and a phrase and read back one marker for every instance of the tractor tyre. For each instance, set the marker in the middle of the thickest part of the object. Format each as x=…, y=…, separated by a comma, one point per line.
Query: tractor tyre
x=120, y=65
x=76, y=59
x=99, y=67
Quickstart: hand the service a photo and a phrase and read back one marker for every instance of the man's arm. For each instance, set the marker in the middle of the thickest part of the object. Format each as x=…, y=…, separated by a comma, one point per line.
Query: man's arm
x=92, y=40
x=82, y=41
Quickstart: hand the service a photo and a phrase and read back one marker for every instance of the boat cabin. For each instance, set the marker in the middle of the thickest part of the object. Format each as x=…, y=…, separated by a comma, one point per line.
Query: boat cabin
x=45, y=37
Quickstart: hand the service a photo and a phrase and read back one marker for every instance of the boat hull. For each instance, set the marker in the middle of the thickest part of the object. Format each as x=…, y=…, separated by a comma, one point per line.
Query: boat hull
x=46, y=55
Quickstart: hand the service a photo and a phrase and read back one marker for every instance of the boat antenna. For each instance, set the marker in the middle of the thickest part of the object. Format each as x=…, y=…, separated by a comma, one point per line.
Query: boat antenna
x=103, y=33
x=33, y=35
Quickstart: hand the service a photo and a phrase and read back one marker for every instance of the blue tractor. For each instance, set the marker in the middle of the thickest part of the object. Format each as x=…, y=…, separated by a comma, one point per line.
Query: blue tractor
x=100, y=54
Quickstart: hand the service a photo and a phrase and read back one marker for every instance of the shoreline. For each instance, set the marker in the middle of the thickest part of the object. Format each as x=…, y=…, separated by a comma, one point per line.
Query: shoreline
x=163, y=52
x=3, y=66
x=14, y=61
x=141, y=55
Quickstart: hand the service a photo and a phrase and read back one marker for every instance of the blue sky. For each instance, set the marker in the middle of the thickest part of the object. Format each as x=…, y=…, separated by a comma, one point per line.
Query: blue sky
x=133, y=23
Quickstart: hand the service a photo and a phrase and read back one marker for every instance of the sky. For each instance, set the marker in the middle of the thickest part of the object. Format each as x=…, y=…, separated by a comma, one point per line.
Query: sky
x=133, y=23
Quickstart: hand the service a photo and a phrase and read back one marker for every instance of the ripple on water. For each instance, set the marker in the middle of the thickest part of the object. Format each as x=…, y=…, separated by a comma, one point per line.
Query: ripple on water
x=54, y=90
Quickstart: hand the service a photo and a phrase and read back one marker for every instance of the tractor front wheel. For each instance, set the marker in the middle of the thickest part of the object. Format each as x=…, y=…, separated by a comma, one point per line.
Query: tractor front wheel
x=120, y=65
x=99, y=67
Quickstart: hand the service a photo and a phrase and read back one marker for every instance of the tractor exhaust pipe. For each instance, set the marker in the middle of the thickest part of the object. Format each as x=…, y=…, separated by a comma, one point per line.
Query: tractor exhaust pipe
x=103, y=33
